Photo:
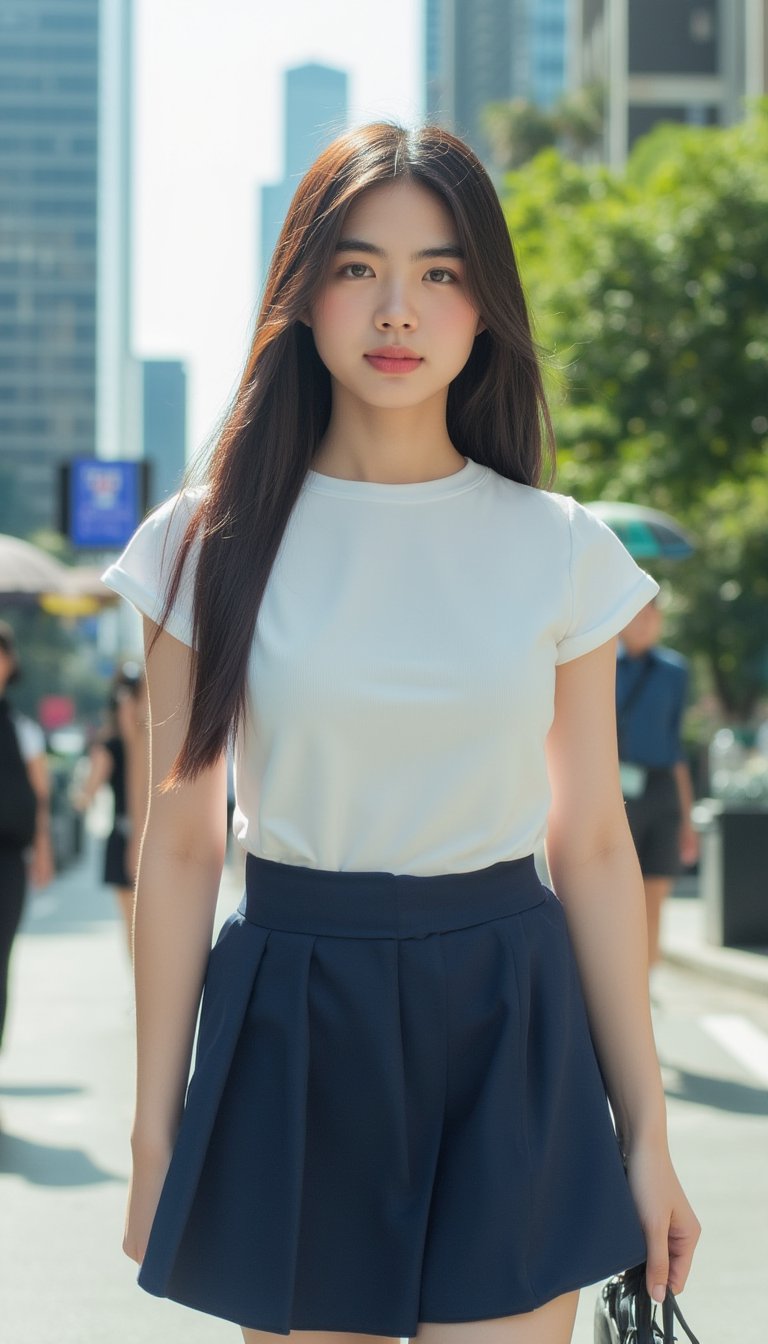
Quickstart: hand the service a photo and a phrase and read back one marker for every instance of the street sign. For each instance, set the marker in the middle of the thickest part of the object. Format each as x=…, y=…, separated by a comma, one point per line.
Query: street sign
x=103, y=501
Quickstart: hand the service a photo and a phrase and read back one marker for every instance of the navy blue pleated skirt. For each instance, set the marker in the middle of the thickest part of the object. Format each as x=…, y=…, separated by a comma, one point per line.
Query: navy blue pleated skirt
x=395, y=1115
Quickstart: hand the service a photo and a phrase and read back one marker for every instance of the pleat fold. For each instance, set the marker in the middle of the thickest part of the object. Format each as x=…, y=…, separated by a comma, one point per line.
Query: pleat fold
x=233, y=965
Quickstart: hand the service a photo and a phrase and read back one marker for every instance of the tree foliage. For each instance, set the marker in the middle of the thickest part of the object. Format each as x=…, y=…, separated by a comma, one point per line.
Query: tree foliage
x=518, y=129
x=651, y=297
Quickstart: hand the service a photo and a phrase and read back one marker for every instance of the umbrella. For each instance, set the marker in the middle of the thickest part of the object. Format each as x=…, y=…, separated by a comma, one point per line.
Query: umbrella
x=26, y=572
x=646, y=533
x=25, y=569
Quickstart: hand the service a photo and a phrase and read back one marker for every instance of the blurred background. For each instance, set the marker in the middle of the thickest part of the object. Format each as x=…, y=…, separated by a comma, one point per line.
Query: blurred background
x=148, y=152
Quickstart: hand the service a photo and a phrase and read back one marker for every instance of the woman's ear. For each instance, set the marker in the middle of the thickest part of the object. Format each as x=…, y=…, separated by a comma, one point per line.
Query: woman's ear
x=480, y=326
x=305, y=318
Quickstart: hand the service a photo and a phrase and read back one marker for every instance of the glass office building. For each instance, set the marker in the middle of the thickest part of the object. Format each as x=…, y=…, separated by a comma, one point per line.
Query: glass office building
x=691, y=61
x=165, y=425
x=482, y=51
x=546, y=25
x=65, y=376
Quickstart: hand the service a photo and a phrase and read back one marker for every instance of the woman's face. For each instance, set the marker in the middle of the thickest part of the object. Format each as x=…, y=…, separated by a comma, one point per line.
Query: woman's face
x=396, y=284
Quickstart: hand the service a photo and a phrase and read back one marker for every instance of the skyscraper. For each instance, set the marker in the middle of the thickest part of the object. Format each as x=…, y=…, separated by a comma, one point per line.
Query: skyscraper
x=316, y=111
x=165, y=425
x=547, y=46
x=484, y=51
x=690, y=61
x=65, y=373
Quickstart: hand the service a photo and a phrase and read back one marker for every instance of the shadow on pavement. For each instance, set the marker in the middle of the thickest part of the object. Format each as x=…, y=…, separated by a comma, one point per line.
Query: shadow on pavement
x=719, y=1093
x=39, y=1090
x=41, y=1164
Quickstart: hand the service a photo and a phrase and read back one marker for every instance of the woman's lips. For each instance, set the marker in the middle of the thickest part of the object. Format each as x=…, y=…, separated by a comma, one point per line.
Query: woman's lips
x=394, y=363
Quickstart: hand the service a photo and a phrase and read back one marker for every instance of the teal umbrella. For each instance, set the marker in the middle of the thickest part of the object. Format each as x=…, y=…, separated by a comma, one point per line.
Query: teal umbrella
x=646, y=533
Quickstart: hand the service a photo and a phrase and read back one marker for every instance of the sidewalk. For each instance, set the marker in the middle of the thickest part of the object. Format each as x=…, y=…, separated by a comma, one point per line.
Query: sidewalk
x=684, y=944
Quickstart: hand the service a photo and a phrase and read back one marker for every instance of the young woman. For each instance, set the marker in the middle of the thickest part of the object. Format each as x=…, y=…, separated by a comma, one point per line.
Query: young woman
x=119, y=759
x=397, y=1124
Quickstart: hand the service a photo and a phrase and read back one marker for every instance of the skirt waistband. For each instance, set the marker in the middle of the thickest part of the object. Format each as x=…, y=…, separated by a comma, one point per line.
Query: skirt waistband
x=295, y=899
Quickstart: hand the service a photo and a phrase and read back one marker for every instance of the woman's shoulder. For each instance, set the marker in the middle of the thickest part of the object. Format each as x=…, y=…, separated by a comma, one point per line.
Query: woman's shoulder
x=544, y=506
x=174, y=513
x=143, y=572
x=562, y=512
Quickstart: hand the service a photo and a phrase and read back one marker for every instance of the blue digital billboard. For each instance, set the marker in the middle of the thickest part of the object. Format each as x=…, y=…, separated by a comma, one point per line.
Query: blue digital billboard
x=104, y=502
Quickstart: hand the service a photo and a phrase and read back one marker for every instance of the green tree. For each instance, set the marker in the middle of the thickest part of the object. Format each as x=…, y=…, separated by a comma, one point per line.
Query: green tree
x=579, y=119
x=651, y=294
x=516, y=131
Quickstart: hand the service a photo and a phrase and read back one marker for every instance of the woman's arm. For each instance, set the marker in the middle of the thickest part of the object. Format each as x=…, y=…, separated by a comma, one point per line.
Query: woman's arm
x=689, y=840
x=100, y=767
x=688, y=843
x=596, y=875
x=41, y=867
x=179, y=871
x=134, y=725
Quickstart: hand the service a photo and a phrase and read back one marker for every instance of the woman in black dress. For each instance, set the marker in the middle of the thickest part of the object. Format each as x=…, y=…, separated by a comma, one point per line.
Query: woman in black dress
x=25, y=840
x=115, y=760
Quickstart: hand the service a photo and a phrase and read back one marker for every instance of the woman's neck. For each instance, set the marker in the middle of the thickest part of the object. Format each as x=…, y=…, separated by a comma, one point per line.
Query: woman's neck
x=398, y=447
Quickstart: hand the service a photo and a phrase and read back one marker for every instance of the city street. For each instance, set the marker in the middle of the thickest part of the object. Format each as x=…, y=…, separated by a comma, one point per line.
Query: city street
x=65, y=1101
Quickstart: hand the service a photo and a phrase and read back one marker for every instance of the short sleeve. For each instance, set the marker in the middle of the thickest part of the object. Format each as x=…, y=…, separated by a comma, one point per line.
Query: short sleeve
x=607, y=587
x=143, y=572
x=31, y=737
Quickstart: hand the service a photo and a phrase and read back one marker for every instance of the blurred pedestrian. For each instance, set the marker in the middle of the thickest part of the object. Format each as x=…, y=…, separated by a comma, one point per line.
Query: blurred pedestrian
x=25, y=840
x=397, y=1119
x=651, y=692
x=117, y=759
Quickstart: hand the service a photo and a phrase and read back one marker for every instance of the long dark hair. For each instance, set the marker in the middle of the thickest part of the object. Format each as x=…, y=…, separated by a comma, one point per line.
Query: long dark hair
x=496, y=408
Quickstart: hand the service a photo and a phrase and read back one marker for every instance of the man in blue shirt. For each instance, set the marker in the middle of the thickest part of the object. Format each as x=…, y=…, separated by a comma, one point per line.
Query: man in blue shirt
x=651, y=689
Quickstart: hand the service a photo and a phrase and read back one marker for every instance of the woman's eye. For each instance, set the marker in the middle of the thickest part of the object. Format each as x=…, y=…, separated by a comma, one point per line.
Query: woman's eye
x=355, y=269
x=441, y=276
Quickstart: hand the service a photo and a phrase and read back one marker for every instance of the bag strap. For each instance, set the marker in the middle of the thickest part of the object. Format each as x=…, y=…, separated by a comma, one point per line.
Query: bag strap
x=669, y=1312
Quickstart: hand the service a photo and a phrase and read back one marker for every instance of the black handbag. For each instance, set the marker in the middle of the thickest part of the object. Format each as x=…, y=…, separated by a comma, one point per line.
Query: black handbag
x=625, y=1314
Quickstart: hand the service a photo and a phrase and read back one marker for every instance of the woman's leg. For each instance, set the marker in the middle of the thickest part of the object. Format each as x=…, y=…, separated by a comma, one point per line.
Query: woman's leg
x=551, y=1324
x=315, y=1337
x=13, y=885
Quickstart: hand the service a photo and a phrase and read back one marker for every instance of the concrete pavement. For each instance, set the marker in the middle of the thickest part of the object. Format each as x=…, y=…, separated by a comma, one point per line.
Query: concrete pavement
x=684, y=944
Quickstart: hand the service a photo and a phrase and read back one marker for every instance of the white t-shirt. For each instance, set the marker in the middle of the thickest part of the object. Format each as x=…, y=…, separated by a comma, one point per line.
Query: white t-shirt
x=402, y=674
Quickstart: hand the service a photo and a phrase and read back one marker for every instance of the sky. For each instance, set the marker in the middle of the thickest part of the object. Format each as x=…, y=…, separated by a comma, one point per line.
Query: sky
x=208, y=133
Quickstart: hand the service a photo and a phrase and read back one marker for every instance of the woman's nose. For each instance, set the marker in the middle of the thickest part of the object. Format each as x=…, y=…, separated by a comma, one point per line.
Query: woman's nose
x=396, y=310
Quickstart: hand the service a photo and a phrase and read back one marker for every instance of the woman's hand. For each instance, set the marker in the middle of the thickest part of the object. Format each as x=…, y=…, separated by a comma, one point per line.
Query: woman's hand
x=41, y=866
x=147, y=1177
x=671, y=1227
x=688, y=844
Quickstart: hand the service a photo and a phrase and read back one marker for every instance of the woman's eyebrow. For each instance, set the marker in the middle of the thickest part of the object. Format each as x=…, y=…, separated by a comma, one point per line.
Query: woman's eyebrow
x=442, y=250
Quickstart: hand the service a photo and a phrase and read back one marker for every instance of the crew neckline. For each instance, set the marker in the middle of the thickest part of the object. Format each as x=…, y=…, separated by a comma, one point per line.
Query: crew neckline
x=468, y=476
